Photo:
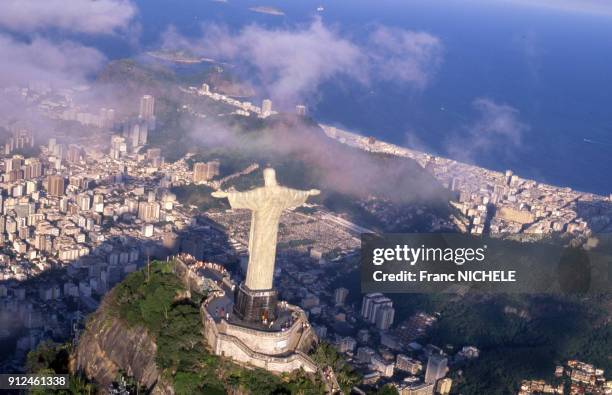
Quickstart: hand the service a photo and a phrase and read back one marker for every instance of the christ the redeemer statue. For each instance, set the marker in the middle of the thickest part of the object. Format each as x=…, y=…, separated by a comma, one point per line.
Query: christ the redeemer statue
x=266, y=204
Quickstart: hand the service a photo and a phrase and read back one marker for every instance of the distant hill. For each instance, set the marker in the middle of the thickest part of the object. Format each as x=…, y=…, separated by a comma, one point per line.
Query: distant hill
x=136, y=77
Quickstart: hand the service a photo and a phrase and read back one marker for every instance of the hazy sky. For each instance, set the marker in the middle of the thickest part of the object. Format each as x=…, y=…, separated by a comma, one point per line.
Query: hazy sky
x=599, y=7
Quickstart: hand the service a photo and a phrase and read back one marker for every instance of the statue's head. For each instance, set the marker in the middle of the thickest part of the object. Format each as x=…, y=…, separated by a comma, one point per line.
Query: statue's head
x=269, y=177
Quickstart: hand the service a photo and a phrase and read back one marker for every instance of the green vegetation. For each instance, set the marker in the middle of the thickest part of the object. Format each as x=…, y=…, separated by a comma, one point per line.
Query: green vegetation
x=198, y=195
x=131, y=74
x=49, y=355
x=171, y=133
x=54, y=358
x=154, y=301
x=148, y=299
x=326, y=355
x=555, y=329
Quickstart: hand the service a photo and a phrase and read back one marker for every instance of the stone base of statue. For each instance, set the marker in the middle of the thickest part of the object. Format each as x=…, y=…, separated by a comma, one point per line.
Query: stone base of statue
x=280, y=345
x=255, y=305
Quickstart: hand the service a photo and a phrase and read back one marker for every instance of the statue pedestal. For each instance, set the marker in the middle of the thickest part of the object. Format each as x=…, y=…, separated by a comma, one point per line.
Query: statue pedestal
x=255, y=305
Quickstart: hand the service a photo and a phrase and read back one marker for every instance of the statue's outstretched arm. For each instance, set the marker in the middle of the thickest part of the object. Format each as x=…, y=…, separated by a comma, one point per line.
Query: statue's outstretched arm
x=297, y=197
x=248, y=199
x=306, y=194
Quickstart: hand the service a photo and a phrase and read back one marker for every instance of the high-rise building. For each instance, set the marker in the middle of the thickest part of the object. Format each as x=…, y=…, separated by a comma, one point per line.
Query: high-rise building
x=136, y=133
x=346, y=344
x=13, y=163
x=147, y=230
x=24, y=232
x=385, y=368
x=266, y=107
x=407, y=364
x=32, y=169
x=213, y=169
x=154, y=156
x=444, y=386
x=58, y=151
x=21, y=138
x=74, y=154
x=300, y=110
x=148, y=211
x=63, y=205
x=143, y=136
x=366, y=304
x=56, y=185
x=14, y=175
x=31, y=187
x=200, y=172
x=384, y=317
x=205, y=171
x=436, y=368
x=340, y=296
x=84, y=202
x=18, y=190
x=118, y=147
x=147, y=107
x=372, y=303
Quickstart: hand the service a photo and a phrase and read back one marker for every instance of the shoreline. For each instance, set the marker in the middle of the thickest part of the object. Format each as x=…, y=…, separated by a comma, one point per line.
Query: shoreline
x=361, y=141
x=496, y=202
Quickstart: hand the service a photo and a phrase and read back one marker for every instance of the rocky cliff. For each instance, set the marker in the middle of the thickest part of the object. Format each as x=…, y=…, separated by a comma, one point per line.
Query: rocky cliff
x=149, y=328
x=108, y=346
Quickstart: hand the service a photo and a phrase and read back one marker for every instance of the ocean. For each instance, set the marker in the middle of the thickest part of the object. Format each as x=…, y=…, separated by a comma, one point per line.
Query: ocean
x=552, y=68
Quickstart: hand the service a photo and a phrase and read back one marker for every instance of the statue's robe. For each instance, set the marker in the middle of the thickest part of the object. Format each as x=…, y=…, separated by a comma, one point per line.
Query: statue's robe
x=266, y=203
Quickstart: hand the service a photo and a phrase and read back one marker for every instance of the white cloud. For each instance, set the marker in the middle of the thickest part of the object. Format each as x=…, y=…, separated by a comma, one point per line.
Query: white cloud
x=83, y=16
x=292, y=63
x=496, y=121
x=41, y=60
x=406, y=56
x=30, y=55
x=289, y=63
x=497, y=128
x=595, y=7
